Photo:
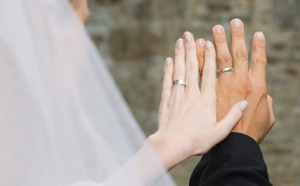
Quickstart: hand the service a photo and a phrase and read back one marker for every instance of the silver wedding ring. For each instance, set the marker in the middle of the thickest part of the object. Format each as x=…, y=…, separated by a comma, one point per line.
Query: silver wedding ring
x=179, y=82
x=224, y=70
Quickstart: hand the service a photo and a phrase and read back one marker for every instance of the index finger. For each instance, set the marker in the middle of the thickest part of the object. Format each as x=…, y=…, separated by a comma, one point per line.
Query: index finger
x=259, y=59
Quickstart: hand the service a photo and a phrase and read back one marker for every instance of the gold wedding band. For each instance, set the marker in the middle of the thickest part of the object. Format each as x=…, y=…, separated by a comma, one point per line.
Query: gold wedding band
x=179, y=82
x=224, y=70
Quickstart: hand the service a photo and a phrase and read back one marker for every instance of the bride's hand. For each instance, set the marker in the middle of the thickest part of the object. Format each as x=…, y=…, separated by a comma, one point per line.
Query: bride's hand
x=187, y=123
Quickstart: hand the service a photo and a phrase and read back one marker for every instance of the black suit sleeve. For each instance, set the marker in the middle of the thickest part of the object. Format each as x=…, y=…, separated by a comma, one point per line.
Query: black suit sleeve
x=237, y=160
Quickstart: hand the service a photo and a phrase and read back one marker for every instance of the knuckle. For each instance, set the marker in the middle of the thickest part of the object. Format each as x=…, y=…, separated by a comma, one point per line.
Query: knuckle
x=262, y=59
x=260, y=44
x=239, y=34
x=221, y=39
x=179, y=55
x=167, y=72
x=192, y=62
x=178, y=75
x=241, y=54
x=206, y=70
x=225, y=59
x=191, y=46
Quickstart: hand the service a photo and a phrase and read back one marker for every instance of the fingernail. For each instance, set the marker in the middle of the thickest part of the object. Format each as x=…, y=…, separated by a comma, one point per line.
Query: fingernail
x=168, y=62
x=188, y=37
x=208, y=45
x=243, y=106
x=237, y=22
x=180, y=43
x=260, y=35
x=200, y=43
x=219, y=29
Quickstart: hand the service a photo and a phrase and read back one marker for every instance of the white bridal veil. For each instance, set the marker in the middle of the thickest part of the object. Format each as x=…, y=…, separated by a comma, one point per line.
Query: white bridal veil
x=62, y=119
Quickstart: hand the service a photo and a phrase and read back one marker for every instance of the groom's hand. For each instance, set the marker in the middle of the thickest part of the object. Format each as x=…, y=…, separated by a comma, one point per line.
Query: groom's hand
x=242, y=82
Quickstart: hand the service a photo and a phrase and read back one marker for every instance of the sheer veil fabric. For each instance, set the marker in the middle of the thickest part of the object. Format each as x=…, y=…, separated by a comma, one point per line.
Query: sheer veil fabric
x=62, y=119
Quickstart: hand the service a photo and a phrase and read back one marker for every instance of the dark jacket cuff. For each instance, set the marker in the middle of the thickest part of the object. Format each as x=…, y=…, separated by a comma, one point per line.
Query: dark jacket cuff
x=237, y=160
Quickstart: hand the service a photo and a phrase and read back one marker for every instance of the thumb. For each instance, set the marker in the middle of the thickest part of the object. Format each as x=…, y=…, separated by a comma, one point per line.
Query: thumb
x=224, y=127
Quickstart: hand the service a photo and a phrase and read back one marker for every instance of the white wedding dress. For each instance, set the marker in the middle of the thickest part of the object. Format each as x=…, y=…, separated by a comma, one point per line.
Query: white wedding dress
x=62, y=119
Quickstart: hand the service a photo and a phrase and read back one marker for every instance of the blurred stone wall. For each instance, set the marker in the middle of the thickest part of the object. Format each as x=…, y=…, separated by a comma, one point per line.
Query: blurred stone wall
x=134, y=37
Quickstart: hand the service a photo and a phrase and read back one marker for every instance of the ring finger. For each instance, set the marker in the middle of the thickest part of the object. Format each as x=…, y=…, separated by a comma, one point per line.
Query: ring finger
x=224, y=58
x=179, y=66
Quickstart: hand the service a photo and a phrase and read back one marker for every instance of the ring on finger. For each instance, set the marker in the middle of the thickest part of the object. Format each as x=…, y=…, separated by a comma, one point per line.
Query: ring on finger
x=224, y=70
x=179, y=82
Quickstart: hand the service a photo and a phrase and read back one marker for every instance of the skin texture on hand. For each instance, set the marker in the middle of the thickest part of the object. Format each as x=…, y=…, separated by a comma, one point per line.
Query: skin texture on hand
x=187, y=123
x=82, y=9
x=243, y=83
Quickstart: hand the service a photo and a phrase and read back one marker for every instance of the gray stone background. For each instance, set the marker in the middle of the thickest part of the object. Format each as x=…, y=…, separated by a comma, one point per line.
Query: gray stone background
x=134, y=37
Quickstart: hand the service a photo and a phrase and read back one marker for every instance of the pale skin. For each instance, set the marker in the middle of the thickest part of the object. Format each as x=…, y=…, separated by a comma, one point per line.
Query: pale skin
x=188, y=114
x=187, y=123
x=190, y=122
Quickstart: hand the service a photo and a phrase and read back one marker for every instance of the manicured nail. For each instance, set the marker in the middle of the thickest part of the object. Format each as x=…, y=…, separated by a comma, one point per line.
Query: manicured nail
x=208, y=45
x=188, y=37
x=237, y=22
x=200, y=43
x=168, y=62
x=260, y=35
x=218, y=29
x=180, y=43
x=243, y=106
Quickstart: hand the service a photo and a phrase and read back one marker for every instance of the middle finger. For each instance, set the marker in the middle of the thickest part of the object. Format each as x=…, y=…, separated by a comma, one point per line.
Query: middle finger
x=239, y=48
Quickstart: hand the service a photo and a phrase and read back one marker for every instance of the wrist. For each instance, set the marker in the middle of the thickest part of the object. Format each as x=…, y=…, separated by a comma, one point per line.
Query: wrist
x=168, y=150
